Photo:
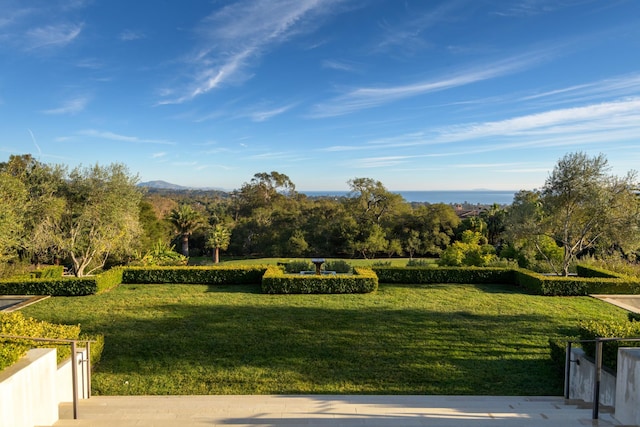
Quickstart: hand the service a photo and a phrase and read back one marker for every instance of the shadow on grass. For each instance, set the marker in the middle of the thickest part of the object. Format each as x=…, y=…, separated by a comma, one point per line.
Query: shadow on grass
x=221, y=349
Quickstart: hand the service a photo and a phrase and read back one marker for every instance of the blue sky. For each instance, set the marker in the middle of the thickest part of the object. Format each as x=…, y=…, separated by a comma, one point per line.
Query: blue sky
x=419, y=94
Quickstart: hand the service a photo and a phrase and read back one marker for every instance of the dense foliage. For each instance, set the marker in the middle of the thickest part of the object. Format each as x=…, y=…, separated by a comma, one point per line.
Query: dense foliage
x=17, y=325
x=93, y=218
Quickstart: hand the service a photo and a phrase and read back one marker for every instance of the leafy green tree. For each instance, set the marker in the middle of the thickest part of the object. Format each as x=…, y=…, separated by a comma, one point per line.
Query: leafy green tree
x=494, y=218
x=13, y=197
x=414, y=243
x=468, y=251
x=186, y=221
x=100, y=217
x=156, y=232
x=219, y=238
x=581, y=207
x=394, y=247
x=42, y=208
x=374, y=242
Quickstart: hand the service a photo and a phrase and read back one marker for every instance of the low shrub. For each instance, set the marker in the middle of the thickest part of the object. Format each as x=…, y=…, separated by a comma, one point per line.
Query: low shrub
x=194, y=275
x=16, y=324
x=79, y=286
x=298, y=266
x=276, y=281
x=591, y=271
x=590, y=330
x=425, y=275
x=575, y=286
x=109, y=279
x=339, y=266
x=420, y=263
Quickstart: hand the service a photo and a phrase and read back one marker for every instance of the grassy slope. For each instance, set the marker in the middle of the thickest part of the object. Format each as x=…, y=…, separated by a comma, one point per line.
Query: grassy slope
x=452, y=339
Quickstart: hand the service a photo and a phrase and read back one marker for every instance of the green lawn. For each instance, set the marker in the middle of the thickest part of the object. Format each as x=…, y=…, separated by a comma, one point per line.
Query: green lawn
x=442, y=339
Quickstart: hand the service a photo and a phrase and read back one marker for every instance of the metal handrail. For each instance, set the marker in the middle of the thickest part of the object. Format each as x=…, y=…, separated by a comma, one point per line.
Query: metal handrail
x=74, y=364
x=598, y=371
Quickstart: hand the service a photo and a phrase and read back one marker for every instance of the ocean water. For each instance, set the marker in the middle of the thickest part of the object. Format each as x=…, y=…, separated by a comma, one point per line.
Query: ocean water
x=482, y=197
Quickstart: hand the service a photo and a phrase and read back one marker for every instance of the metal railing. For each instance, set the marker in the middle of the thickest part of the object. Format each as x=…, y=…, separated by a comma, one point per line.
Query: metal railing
x=74, y=362
x=597, y=372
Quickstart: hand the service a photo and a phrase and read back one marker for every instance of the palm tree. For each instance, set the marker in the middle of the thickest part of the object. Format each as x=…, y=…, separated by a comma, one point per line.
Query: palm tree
x=219, y=238
x=186, y=220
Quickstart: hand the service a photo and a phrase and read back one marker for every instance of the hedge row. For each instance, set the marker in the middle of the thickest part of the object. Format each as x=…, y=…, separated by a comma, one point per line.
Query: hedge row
x=590, y=330
x=574, y=285
x=275, y=281
x=56, y=287
x=16, y=324
x=595, y=281
x=63, y=287
x=425, y=275
x=590, y=271
x=194, y=275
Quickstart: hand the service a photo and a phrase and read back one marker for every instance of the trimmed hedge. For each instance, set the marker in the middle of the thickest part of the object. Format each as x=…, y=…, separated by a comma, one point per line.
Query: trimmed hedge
x=590, y=330
x=65, y=287
x=239, y=275
x=16, y=324
x=275, y=281
x=575, y=286
x=590, y=271
x=109, y=279
x=426, y=275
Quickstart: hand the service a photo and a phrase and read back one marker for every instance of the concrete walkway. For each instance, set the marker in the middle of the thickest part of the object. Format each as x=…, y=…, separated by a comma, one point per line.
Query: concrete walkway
x=329, y=411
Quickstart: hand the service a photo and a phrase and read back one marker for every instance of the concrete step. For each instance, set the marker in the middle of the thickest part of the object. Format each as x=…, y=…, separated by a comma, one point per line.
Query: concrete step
x=328, y=411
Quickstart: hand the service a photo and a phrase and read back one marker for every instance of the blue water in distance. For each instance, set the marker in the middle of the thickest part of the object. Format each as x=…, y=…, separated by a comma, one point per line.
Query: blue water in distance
x=474, y=197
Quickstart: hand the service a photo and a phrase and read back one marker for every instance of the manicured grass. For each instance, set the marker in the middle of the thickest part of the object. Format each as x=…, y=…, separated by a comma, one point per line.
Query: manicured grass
x=403, y=339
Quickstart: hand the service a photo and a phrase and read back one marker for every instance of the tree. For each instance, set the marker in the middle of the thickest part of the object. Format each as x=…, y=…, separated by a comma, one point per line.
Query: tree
x=42, y=207
x=186, y=220
x=581, y=207
x=13, y=197
x=374, y=242
x=100, y=217
x=219, y=238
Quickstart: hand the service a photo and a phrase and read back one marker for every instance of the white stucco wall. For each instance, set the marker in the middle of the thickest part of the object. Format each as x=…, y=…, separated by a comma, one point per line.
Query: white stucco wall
x=628, y=389
x=582, y=377
x=28, y=390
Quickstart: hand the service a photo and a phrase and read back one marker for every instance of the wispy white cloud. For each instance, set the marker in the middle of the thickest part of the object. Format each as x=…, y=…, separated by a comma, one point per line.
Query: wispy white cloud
x=334, y=64
x=130, y=35
x=618, y=86
x=369, y=97
x=596, y=117
x=409, y=35
x=380, y=162
x=264, y=115
x=237, y=34
x=71, y=106
x=536, y=7
x=92, y=133
x=159, y=155
x=51, y=36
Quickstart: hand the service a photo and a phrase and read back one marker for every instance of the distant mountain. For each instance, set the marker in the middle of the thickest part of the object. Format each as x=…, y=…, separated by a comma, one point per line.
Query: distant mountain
x=162, y=185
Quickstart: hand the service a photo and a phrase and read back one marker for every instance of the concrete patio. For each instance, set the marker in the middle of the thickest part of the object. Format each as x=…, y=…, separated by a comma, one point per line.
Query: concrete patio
x=330, y=411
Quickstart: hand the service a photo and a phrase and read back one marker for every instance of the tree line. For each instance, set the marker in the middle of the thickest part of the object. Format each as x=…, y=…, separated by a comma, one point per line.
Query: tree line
x=92, y=217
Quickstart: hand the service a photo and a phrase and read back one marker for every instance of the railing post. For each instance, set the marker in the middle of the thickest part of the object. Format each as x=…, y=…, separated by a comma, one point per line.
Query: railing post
x=88, y=369
x=74, y=378
x=567, y=371
x=596, y=381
